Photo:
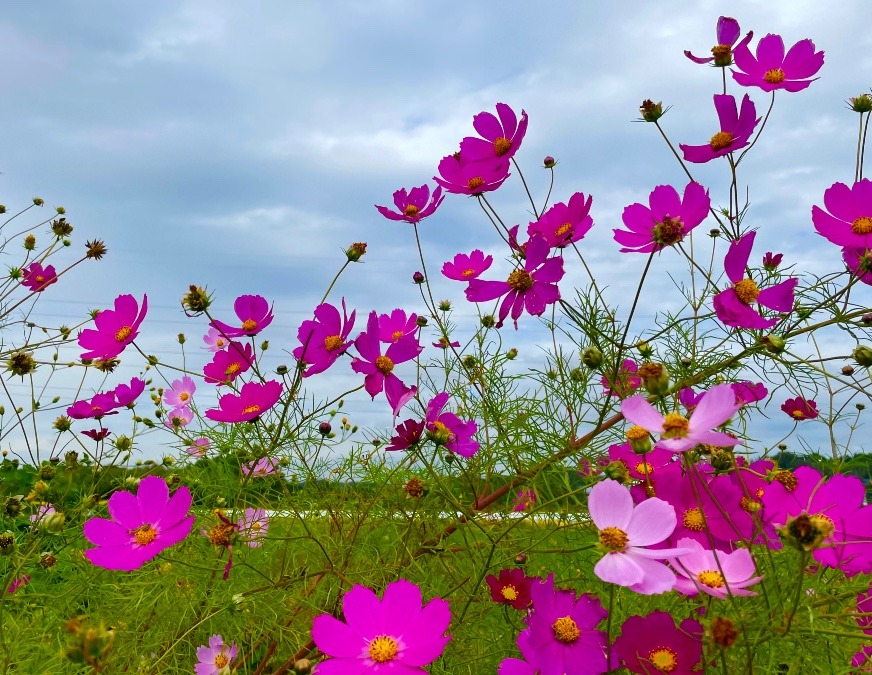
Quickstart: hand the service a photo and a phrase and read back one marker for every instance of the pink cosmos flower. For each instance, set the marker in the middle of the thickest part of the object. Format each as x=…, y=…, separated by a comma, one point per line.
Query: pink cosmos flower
x=18, y=583
x=413, y=206
x=471, y=178
x=43, y=512
x=126, y=394
x=863, y=659
x=215, y=341
x=773, y=69
x=216, y=658
x=511, y=587
x=115, y=329
x=500, y=138
x=324, y=339
x=800, y=408
x=408, y=434
x=445, y=343
x=735, y=132
x=96, y=434
x=443, y=428
x=253, y=311
x=716, y=573
x=99, y=406
x=652, y=644
x=379, y=367
x=733, y=305
x=466, y=267
x=771, y=261
x=532, y=287
x=37, y=278
x=849, y=221
x=396, y=325
x=199, y=447
x=525, y=500
x=678, y=433
x=263, y=467
x=641, y=467
x=178, y=417
x=749, y=392
x=142, y=525
x=180, y=392
x=254, y=400
x=728, y=33
x=253, y=526
x=625, y=532
x=859, y=261
x=668, y=220
x=625, y=382
x=563, y=224
x=392, y=635
x=864, y=611
x=228, y=364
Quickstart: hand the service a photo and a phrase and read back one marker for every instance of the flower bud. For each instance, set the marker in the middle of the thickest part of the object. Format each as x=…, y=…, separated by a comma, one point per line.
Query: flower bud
x=324, y=428
x=53, y=522
x=21, y=363
x=488, y=321
x=38, y=201
x=650, y=111
x=521, y=559
x=847, y=370
x=773, y=343
x=639, y=440
x=46, y=472
x=196, y=300
x=654, y=378
x=71, y=459
x=12, y=506
x=302, y=666
x=714, y=233
x=617, y=471
x=866, y=318
x=771, y=261
x=61, y=228
x=421, y=321
x=576, y=375
x=7, y=543
x=512, y=354
x=592, y=357
x=414, y=488
x=444, y=305
x=549, y=162
x=723, y=632
x=282, y=370
x=645, y=349
x=30, y=242
x=417, y=278
x=863, y=356
x=47, y=560
x=356, y=251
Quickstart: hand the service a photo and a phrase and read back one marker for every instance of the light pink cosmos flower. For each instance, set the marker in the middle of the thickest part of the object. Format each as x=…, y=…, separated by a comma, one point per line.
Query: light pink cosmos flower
x=735, y=132
x=467, y=267
x=37, y=278
x=254, y=400
x=215, y=341
x=228, y=364
x=668, y=220
x=773, y=69
x=253, y=526
x=142, y=525
x=265, y=466
x=471, y=178
x=677, y=432
x=625, y=531
x=42, y=513
x=254, y=313
x=180, y=392
x=733, y=305
x=500, y=138
x=115, y=329
x=216, y=659
x=199, y=447
x=563, y=224
x=325, y=338
x=532, y=287
x=178, y=417
x=848, y=218
x=413, y=206
x=728, y=33
x=716, y=573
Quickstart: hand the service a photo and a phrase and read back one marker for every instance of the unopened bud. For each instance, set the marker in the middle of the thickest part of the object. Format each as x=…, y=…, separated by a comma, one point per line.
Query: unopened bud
x=617, y=471
x=38, y=201
x=654, y=378
x=592, y=357
x=356, y=251
x=723, y=632
x=773, y=343
x=417, y=278
x=650, y=111
x=521, y=559
x=549, y=162
x=639, y=440
x=863, y=356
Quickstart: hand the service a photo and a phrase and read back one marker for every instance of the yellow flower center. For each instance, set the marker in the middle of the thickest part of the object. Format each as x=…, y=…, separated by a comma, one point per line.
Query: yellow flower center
x=663, y=659
x=669, y=231
x=256, y=526
x=824, y=524
x=383, y=649
x=222, y=534
x=410, y=211
x=39, y=278
x=468, y=272
x=232, y=369
x=251, y=409
x=564, y=230
x=723, y=55
x=520, y=280
x=747, y=291
x=862, y=225
x=123, y=333
x=332, y=343
x=475, y=183
x=510, y=592
x=219, y=342
x=384, y=365
x=221, y=660
x=711, y=578
x=721, y=140
x=184, y=396
x=675, y=426
x=396, y=335
x=439, y=433
x=144, y=534
x=798, y=414
x=693, y=520
x=249, y=325
x=565, y=630
x=643, y=468
x=502, y=145
x=787, y=479
x=774, y=76
x=613, y=539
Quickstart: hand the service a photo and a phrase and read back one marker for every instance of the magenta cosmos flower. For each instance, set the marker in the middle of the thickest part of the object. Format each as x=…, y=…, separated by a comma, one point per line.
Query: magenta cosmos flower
x=396, y=325
x=668, y=220
x=728, y=33
x=216, y=658
x=37, y=278
x=859, y=261
x=254, y=313
x=625, y=381
x=462, y=177
x=733, y=305
x=652, y=644
x=773, y=69
x=849, y=221
x=115, y=329
x=228, y=364
x=563, y=224
x=413, y=206
x=180, y=392
x=715, y=573
x=126, y=394
x=142, y=525
x=395, y=635
x=324, y=339
x=677, y=432
x=378, y=368
x=625, y=532
x=736, y=130
x=443, y=428
x=511, y=587
x=254, y=400
x=525, y=500
x=15, y=584
x=532, y=287
x=467, y=267
x=800, y=408
x=500, y=138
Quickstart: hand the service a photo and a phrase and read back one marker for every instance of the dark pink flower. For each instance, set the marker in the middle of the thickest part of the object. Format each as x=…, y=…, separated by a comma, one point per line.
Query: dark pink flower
x=448, y=430
x=728, y=33
x=735, y=132
x=849, y=221
x=413, y=206
x=652, y=644
x=532, y=287
x=511, y=587
x=467, y=267
x=773, y=69
x=142, y=525
x=324, y=339
x=126, y=394
x=524, y=501
x=37, y=278
x=800, y=408
x=749, y=392
x=625, y=382
x=471, y=178
x=771, y=261
x=859, y=261
x=668, y=220
x=115, y=329
x=18, y=583
x=96, y=434
x=254, y=400
x=396, y=325
x=563, y=224
x=228, y=364
x=500, y=138
x=253, y=311
x=99, y=406
x=408, y=433
x=733, y=305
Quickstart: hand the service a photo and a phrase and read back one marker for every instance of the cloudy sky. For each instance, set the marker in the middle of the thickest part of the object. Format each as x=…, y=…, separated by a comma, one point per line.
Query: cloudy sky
x=242, y=146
